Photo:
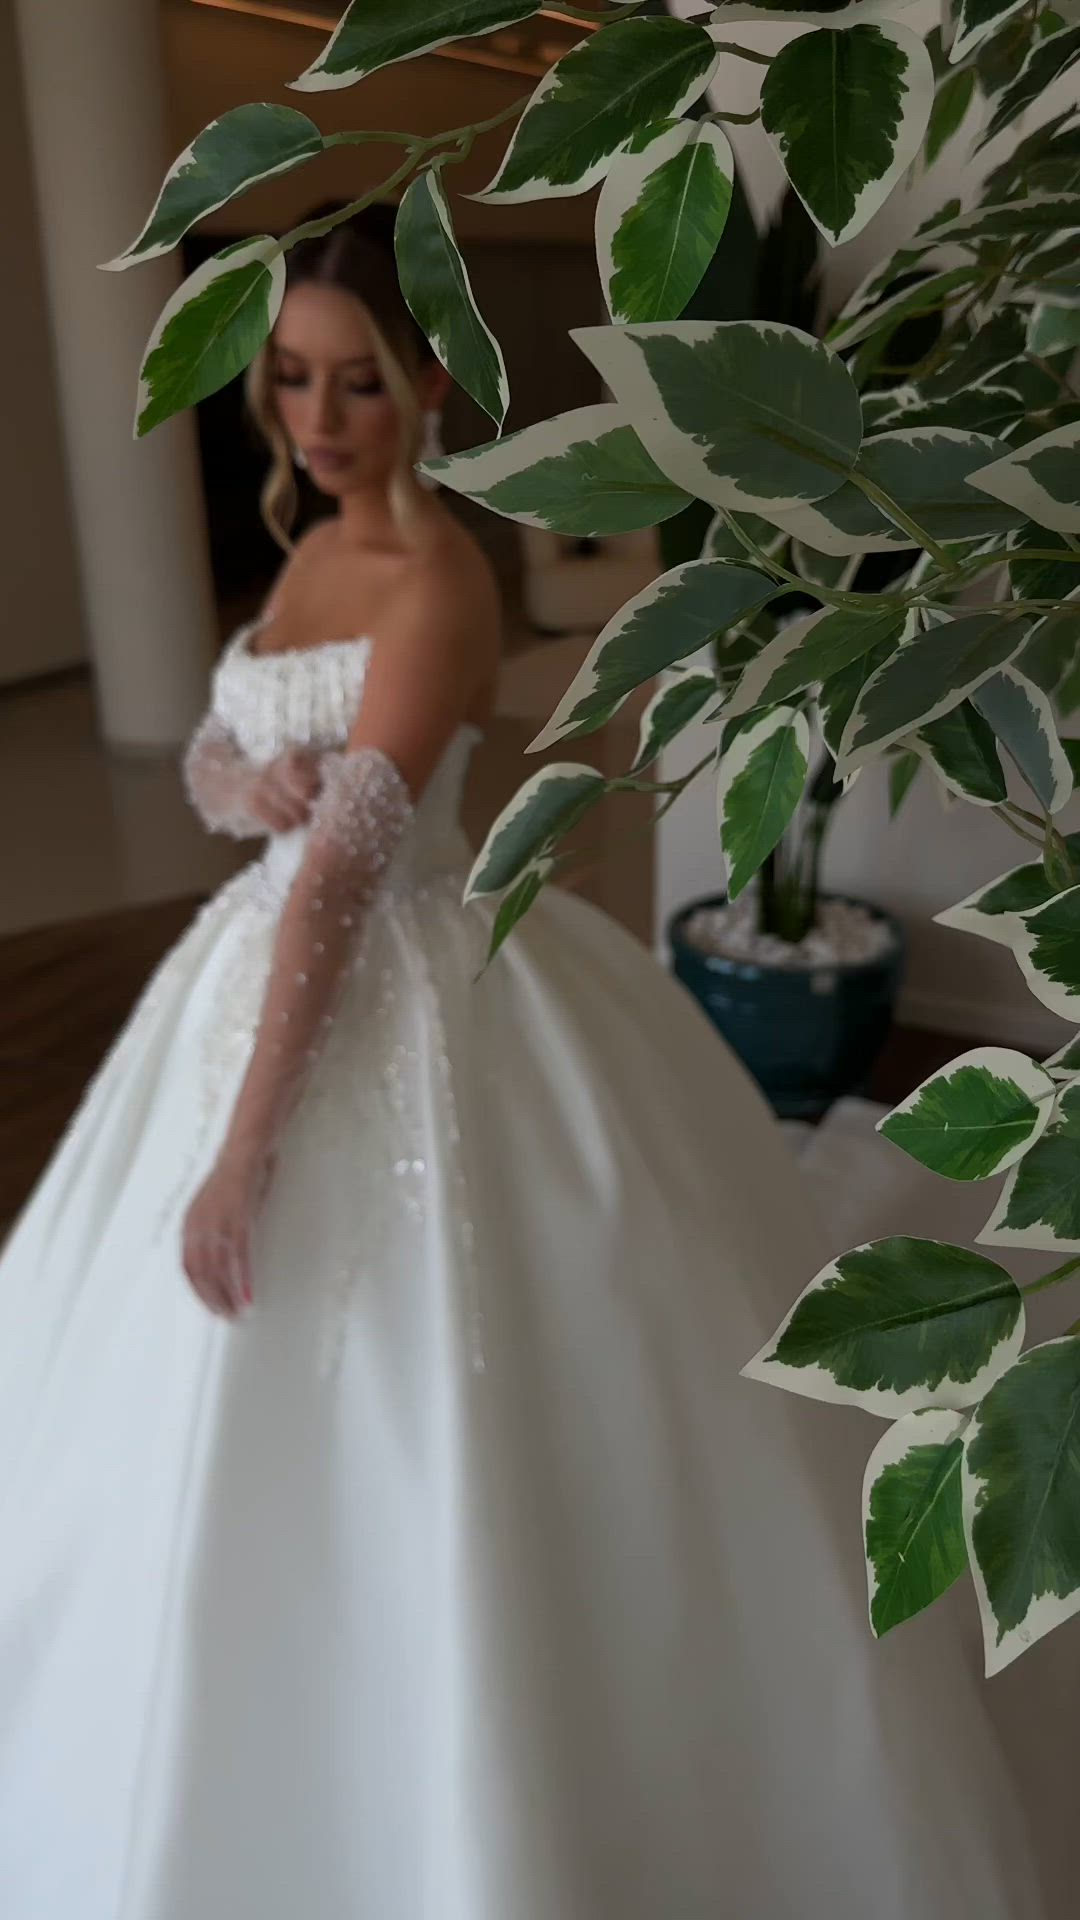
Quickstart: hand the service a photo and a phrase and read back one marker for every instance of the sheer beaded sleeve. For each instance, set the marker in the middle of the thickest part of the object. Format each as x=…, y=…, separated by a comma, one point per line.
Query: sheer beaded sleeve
x=220, y=782
x=359, y=819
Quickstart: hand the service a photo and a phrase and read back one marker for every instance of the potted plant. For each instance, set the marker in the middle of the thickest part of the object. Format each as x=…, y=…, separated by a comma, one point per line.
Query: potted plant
x=802, y=984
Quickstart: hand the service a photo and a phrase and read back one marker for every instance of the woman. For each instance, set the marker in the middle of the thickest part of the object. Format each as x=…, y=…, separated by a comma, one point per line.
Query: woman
x=387, y=1532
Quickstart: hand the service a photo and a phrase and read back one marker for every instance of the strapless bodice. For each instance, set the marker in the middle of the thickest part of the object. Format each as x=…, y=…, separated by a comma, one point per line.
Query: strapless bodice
x=310, y=697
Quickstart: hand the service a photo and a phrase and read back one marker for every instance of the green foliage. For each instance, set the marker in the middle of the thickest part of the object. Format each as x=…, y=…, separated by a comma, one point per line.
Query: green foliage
x=960, y=457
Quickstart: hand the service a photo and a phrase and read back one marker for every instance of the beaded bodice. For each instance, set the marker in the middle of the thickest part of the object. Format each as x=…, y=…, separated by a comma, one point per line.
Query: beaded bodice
x=310, y=697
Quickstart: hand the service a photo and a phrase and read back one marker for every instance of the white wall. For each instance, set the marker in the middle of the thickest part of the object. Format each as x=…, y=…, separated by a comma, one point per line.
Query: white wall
x=928, y=859
x=43, y=628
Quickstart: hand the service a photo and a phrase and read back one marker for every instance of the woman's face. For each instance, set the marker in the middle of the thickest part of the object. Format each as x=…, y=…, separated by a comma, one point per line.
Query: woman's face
x=329, y=390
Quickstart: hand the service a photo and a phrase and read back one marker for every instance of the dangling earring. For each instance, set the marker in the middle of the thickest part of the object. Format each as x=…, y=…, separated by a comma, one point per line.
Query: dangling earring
x=299, y=459
x=431, y=446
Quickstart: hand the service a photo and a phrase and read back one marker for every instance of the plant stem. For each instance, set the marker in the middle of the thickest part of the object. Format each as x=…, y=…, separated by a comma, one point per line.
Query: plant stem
x=626, y=783
x=901, y=519
x=1054, y=1279
x=418, y=148
x=734, y=119
x=315, y=229
x=1022, y=813
x=827, y=595
x=1033, y=838
x=671, y=791
x=744, y=53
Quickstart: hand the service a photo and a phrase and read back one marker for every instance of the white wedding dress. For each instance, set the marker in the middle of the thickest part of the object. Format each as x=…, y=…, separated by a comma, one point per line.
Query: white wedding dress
x=464, y=1579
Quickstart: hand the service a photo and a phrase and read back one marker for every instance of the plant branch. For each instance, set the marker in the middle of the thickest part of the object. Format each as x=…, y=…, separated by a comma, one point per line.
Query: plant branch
x=734, y=119
x=1033, y=839
x=902, y=519
x=829, y=596
x=418, y=146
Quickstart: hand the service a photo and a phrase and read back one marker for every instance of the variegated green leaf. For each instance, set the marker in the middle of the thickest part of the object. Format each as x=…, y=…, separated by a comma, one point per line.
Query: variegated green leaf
x=659, y=218
x=1046, y=214
x=1000, y=55
x=995, y=912
x=996, y=344
x=368, y=37
x=1066, y=1061
x=1053, y=329
x=952, y=101
x=880, y=281
x=1024, y=157
x=514, y=905
x=811, y=651
x=976, y=1116
x=245, y=146
x=1047, y=946
x=974, y=20
x=1046, y=61
x=928, y=296
x=435, y=282
x=1021, y=1488
x=847, y=113
x=1044, y=579
x=670, y=620
x=1023, y=720
x=838, y=694
x=748, y=415
x=1039, y=1206
x=584, y=473
x=590, y=105
x=903, y=771
x=913, y=1524
x=898, y=1325
x=1051, y=655
x=1043, y=151
x=991, y=410
x=762, y=775
x=931, y=673
x=545, y=808
x=670, y=710
x=961, y=748
x=210, y=330
x=929, y=473
x=885, y=407
x=1041, y=480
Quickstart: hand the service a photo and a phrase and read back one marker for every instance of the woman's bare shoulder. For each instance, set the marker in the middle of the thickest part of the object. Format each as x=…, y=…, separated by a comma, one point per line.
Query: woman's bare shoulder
x=452, y=567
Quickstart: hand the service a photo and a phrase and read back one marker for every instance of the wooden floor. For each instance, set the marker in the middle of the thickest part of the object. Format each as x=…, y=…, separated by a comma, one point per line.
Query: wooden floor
x=66, y=991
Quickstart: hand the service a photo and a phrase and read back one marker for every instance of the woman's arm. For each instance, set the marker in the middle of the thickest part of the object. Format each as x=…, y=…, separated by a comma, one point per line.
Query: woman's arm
x=421, y=681
x=232, y=795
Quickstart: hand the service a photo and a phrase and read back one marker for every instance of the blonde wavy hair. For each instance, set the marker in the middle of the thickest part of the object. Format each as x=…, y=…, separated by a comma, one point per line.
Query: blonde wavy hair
x=357, y=257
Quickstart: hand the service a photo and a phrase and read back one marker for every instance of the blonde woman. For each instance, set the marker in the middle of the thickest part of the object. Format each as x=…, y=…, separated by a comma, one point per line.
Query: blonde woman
x=387, y=1534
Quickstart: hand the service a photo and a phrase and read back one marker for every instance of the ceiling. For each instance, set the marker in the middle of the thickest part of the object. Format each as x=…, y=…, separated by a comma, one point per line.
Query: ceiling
x=530, y=47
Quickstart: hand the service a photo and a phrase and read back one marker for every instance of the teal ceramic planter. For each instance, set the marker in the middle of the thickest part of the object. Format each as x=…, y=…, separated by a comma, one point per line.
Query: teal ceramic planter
x=809, y=1037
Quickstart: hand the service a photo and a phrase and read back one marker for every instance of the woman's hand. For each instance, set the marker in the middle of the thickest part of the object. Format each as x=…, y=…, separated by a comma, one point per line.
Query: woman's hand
x=282, y=794
x=218, y=1229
